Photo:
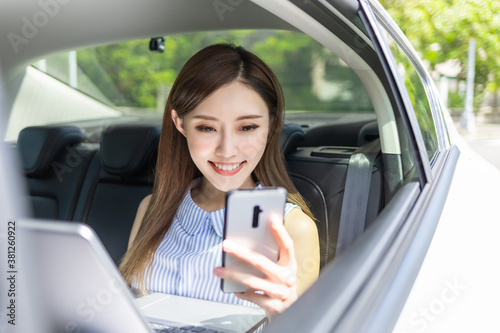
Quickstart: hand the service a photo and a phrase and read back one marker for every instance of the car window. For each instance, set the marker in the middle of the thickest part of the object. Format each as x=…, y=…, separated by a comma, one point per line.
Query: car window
x=130, y=79
x=417, y=94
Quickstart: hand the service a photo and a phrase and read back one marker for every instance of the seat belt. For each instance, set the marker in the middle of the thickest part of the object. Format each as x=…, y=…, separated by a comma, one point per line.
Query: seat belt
x=356, y=192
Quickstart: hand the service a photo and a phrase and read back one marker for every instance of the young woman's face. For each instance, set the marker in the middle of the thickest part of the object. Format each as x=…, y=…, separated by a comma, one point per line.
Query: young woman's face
x=227, y=135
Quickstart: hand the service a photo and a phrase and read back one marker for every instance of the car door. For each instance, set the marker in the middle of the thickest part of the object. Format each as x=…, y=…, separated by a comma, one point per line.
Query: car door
x=366, y=287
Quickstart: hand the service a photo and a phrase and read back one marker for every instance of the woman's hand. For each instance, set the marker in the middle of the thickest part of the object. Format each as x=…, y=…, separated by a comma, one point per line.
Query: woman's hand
x=278, y=290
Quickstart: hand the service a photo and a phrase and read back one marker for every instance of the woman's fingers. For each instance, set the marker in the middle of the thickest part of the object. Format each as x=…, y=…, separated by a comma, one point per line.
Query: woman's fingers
x=277, y=290
x=285, y=242
x=275, y=272
x=286, y=251
x=273, y=290
x=271, y=306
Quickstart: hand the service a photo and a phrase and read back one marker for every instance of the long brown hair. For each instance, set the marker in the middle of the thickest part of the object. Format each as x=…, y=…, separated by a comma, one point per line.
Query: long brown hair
x=208, y=70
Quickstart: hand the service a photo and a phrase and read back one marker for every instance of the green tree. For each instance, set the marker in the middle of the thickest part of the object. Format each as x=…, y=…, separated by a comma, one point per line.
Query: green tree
x=441, y=29
x=132, y=76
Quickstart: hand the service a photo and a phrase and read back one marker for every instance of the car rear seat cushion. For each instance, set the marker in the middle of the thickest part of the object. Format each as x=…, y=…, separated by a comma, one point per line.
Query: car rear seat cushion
x=54, y=163
x=119, y=177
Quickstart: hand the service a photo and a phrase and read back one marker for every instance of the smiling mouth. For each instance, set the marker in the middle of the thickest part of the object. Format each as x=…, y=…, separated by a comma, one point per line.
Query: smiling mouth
x=227, y=169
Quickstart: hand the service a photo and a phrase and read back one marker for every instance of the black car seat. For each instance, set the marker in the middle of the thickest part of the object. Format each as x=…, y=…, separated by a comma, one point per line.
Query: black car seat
x=54, y=163
x=119, y=177
x=319, y=174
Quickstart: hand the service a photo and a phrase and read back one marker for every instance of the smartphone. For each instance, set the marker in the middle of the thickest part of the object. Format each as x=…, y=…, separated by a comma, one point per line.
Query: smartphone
x=247, y=217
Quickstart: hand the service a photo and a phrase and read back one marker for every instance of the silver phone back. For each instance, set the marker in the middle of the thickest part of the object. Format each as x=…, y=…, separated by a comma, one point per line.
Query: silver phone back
x=248, y=213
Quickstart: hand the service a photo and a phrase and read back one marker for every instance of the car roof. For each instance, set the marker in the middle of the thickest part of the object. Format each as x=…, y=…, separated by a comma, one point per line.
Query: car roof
x=35, y=29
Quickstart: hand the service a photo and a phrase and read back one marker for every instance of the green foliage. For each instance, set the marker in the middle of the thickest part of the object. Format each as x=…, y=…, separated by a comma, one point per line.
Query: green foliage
x=441, y=29
x=456, y=100
x=132, y=76
x=418, y=98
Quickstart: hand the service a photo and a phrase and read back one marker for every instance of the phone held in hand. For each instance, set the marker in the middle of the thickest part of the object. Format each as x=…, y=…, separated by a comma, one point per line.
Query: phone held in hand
x=247, y=218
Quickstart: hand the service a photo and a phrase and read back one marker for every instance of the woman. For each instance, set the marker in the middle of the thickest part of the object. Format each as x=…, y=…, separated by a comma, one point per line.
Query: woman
x=221, y=130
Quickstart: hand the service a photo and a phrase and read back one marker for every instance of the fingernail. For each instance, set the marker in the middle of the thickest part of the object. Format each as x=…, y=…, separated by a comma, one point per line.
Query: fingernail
x=218, y=271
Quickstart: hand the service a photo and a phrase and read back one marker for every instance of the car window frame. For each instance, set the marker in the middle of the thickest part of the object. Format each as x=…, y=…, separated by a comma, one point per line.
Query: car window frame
x=436, y=106
x=403, y=103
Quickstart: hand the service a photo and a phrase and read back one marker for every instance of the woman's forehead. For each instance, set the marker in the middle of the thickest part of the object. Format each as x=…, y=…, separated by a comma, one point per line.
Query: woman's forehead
x=234, y=101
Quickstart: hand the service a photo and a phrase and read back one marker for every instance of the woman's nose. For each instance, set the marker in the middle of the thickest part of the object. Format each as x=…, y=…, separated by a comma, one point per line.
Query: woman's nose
x=227, y=146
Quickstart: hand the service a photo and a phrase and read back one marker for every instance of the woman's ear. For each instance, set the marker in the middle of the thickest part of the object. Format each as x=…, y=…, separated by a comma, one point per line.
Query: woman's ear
x=179, y=124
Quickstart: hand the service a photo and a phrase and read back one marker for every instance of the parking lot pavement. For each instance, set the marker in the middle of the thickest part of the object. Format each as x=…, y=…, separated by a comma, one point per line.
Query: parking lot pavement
x=485, y=141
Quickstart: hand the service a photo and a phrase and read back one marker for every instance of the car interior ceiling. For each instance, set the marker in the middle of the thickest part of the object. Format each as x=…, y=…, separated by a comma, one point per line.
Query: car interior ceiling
x=161, y=17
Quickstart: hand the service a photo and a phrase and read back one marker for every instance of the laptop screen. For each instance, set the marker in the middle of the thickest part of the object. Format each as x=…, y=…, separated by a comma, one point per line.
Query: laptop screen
x=78, y=288
x=74, y=281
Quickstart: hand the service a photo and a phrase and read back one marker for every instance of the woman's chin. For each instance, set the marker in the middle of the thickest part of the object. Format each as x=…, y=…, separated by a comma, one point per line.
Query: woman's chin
x=227, y=186
x=228, y=183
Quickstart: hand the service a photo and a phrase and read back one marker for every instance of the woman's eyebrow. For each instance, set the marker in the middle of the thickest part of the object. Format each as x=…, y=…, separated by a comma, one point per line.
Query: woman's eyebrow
x=201, y=116
x=250, y=116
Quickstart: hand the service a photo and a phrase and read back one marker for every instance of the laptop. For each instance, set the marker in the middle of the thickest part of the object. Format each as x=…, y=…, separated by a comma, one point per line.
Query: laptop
x=76, y=286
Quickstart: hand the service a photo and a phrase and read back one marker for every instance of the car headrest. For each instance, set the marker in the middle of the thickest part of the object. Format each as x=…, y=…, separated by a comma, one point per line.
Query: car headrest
x=39, y=145
x=291, y=136
x=368, y=133
x=127, y=149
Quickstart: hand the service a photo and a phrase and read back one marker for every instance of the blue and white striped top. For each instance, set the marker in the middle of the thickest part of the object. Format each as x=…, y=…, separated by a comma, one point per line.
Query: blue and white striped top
x=184, y=262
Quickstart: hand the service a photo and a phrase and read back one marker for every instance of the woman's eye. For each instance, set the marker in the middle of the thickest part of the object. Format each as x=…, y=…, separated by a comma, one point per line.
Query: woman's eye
x=249, y=128
x=205, y=128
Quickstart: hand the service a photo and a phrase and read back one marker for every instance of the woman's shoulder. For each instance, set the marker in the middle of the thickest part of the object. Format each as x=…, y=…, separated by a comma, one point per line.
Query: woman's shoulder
x=289, y=207
x=297, y=222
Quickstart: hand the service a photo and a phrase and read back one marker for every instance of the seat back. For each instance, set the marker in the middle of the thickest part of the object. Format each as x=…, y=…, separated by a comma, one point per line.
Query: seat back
x=120, y=176
x=54, y=163
x=319, y=175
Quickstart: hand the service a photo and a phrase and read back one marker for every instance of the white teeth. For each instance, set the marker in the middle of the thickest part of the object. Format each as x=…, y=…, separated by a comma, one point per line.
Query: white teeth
x=226, y=167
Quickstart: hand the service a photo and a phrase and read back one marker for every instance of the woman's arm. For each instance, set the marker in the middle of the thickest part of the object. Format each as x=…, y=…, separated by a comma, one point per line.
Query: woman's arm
x=138, y=219
x=305, y=239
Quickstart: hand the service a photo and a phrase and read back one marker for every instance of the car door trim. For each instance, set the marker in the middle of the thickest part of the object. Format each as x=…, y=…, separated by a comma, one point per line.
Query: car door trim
x=402, y=100
x=391, y=282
